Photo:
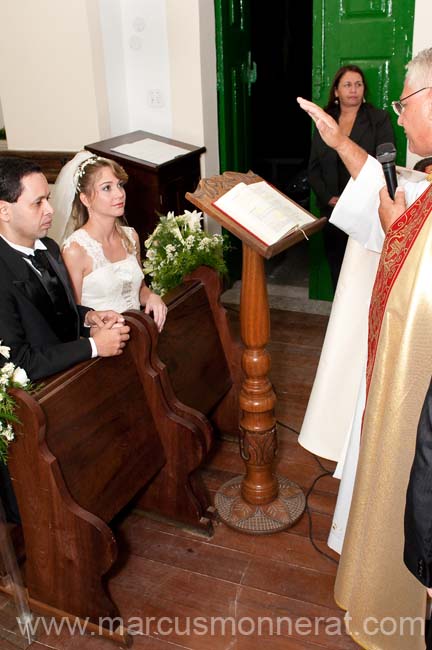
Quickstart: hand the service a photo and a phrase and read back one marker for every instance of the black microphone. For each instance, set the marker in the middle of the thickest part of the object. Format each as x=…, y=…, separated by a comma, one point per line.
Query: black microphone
x=386, y=155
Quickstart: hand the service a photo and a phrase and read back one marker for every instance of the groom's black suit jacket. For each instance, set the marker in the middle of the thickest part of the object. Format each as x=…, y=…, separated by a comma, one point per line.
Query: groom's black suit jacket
x=418, y=510
x=44, y=338
x=41, y=340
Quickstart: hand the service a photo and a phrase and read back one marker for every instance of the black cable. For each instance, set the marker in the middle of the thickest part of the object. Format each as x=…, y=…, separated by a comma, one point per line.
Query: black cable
x=286, y=426
x=323, y=467
x=326, y=472
x=309, y=514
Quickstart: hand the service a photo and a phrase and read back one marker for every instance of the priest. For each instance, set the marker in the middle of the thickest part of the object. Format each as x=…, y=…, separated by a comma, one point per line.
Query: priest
x=385, y=604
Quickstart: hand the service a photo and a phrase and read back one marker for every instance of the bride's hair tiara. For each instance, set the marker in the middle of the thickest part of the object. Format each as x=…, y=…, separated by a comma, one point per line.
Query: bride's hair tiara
x=80, y=170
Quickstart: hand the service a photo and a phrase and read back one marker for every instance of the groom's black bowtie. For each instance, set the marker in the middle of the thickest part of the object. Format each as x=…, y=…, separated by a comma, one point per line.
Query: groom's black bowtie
x=65, y=316
x=37, y=258
x=40, y=261
x=47, y=276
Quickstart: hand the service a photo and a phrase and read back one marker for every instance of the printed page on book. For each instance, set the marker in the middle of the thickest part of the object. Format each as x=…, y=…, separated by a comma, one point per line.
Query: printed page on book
x=263, y=211
x=151, y=150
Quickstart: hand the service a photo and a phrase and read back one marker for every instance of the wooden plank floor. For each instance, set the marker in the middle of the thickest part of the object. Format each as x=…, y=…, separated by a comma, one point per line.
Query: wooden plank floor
x=236, y=591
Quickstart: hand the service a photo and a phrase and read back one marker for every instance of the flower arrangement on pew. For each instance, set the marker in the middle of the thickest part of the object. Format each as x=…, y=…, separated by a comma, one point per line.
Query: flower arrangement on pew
x=11, y=376
x=177, y=246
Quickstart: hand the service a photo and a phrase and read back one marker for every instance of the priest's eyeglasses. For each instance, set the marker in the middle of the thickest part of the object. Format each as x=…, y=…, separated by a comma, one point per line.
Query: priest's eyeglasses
x=399, y=105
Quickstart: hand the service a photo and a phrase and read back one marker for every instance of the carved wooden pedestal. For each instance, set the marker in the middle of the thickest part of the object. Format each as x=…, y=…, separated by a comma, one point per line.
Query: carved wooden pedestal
x=260, y=501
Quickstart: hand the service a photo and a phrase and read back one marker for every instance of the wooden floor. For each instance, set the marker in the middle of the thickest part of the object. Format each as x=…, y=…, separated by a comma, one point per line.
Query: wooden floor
x=214, y=593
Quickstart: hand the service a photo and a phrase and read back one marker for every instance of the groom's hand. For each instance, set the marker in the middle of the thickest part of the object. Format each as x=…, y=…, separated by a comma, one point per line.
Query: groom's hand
x=110, y=339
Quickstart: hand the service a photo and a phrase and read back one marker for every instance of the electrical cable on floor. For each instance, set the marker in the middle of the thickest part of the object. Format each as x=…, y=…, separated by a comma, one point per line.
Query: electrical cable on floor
x=312, y=541
x=285, y=426
x=326, y=472
x=323, y=467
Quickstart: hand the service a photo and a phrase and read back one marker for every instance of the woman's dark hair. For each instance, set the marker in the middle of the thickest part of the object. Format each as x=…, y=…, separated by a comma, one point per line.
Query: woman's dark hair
x=12, y=171
x=338, y=76
x=423, y=163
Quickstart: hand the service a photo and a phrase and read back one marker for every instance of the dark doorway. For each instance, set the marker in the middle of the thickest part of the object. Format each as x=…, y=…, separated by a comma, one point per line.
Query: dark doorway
x=282, y=49
x=281, y=33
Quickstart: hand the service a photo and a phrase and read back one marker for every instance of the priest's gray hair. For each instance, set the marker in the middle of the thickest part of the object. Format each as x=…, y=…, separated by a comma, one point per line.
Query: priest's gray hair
x=419, y=70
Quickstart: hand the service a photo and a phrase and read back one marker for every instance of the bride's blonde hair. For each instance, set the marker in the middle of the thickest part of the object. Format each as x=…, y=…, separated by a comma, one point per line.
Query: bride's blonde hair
x=85, y=179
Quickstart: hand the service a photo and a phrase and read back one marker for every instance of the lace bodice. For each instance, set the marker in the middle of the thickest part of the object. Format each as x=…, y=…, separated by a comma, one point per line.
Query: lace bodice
x=110, y=285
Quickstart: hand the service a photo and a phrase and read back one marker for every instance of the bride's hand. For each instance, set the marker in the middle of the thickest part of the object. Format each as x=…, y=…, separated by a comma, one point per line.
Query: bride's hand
x=156, y=306
x=103, y=318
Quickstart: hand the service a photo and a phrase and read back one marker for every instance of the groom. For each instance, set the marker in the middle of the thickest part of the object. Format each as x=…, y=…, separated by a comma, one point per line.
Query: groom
x=39, y=320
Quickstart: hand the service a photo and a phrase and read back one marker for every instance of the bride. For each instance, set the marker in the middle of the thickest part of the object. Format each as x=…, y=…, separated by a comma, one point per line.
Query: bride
x=102, y=255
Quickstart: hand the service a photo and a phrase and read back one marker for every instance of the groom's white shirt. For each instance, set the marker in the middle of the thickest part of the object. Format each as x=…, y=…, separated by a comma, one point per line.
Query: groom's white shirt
x=30, y=251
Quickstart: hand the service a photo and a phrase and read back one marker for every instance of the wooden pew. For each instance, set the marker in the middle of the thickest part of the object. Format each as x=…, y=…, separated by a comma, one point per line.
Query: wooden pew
x=110, y=431
x=204, y=368
x=192, y=374
x=51, y=162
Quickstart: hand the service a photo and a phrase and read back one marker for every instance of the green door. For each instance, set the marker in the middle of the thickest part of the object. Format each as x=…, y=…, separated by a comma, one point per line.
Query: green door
x=235, y=75
x=377, y=36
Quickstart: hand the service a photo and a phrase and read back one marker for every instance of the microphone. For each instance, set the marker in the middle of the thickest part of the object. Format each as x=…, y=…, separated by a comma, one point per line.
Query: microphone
x=386, y=155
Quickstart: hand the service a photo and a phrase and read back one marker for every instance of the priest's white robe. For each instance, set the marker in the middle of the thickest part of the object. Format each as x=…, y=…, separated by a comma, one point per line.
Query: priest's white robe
x=332, y=423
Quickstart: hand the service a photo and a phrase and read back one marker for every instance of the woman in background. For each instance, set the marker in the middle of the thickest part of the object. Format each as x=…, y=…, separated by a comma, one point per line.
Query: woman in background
x=364, y=124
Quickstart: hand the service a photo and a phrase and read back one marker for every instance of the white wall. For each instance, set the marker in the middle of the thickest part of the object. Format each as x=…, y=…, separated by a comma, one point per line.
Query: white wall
x=160, y=63
x=136, y=65
x=111, y=21
x=75, y=72
x=160, y=67
x=52, y=77
x=422, y=22
x=192, y=56
x=147, y=66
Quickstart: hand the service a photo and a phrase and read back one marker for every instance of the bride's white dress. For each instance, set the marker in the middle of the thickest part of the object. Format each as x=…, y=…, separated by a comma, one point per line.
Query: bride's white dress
x=110, y=285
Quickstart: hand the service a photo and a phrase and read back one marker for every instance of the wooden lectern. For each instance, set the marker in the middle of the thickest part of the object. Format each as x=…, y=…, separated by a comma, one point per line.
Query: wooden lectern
x=259, y=502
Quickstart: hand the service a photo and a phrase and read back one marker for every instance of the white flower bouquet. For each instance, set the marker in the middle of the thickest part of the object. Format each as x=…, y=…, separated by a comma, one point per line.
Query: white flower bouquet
x=11, y=376
x=177, y=246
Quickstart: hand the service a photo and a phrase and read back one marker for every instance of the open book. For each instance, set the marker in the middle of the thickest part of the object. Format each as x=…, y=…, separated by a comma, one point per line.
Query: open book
x=263, y=211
